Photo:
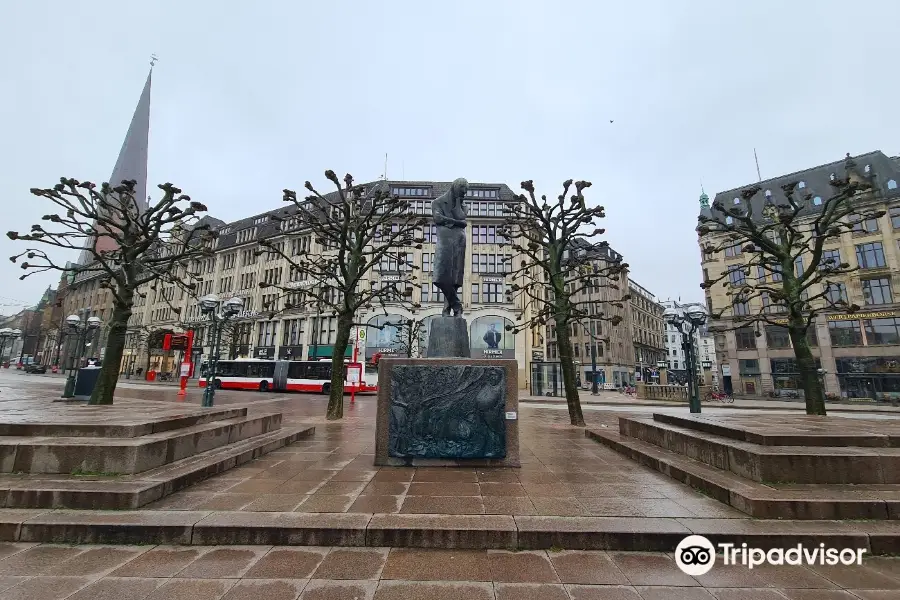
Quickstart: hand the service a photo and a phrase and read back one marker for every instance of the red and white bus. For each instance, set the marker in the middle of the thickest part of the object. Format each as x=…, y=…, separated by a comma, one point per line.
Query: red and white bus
x=285, y=375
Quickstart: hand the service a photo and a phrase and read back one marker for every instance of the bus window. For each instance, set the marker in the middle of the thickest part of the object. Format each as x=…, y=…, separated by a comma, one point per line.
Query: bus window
x=298, y=370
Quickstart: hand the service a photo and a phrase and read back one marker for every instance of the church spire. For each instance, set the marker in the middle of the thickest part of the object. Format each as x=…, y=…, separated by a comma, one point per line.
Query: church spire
x=132, y=160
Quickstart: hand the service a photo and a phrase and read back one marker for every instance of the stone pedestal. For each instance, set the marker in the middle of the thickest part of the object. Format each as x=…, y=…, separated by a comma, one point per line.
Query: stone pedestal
x=447, y=412
x=449, y=337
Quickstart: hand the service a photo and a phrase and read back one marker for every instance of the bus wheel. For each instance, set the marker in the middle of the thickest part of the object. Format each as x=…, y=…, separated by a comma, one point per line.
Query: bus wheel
x=217, y=383
x=264, y=386
x=326, y=389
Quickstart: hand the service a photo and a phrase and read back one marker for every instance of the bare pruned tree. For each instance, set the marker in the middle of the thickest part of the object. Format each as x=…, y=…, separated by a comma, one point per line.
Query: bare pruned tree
x=127, y=246
x=409, y=337
x=786, y=271
x=567, y=275
x=361, y=229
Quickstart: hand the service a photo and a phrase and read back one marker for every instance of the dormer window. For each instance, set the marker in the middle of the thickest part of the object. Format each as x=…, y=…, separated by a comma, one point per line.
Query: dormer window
x=768, y=193
x=407, y=192
x=892, y=185
x=832, y=177
x=817, y=200
x=729, y=220
x=868, y=169
x=801, y=185
x=476, y=193
x=737, y=200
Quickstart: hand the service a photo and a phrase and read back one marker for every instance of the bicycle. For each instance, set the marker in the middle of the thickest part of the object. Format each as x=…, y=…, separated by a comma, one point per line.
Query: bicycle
x=723, y=397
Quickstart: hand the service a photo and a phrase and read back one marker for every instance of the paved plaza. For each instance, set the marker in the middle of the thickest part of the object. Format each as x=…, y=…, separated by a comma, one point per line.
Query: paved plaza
x=567, y=482
x=53, y=572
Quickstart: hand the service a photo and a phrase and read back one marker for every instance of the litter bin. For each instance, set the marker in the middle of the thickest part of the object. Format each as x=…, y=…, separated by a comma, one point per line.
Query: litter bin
x=85, y=382
x=151, y=375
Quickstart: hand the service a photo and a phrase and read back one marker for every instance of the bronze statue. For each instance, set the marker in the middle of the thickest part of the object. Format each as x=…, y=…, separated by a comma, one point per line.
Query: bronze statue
x=449, y=215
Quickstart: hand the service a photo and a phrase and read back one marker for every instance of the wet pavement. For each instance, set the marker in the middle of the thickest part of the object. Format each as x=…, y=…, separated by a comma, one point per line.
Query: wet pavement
x=50, y=572
x=562, y=474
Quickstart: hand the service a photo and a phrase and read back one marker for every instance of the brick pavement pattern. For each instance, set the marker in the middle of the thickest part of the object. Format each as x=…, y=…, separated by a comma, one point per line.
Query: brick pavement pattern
x=48, y=572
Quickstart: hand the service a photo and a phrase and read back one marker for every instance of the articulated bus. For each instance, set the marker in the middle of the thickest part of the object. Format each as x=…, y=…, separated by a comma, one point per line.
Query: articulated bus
x=286, y=375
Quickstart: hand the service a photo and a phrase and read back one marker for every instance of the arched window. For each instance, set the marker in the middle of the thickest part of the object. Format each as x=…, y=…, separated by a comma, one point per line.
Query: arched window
x=728, y=220
x=737, y=200
x=817, y=200
x=868, y=169
x=832, y=177
x=768, y=193
x=801, y=185
x=892, y=185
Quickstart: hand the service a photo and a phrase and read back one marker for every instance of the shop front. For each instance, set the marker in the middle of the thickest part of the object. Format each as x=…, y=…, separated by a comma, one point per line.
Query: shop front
x=874, y=377
x=294, y=352
x=786, y=377
x=384, y=337
x=488, y=338
x=750, y=376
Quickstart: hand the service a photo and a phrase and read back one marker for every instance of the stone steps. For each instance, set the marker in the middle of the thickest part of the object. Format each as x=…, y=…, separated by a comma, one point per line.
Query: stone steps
x=767, y=463
x=809, y=431
x=89, y=421
x=132, y=454
x=431, y=531
x=801, y=502
x=131, y=492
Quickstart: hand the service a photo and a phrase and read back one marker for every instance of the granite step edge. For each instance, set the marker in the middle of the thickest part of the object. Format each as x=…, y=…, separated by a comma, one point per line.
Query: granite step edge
x=428, y=531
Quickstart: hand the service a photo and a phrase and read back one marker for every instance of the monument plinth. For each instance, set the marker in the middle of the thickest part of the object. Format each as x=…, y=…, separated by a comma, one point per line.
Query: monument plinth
x=448, y=409
x=447, y=412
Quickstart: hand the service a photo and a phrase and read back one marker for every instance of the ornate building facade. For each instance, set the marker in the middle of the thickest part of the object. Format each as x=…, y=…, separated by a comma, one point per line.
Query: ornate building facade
x=858, y=352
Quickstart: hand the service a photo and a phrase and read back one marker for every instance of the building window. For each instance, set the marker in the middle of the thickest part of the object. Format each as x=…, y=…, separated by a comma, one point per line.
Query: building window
x=817, y=200
x=741, y=307
x=836, y=293
x=870, y=256
x=777, y=337
x=736, y=275
x=882, y=332
x=845, y=333
x=493, y=293
x=798, y=266
x=745, y=338
x=732, y=251
x=831, y=259
x=877, y=291
x=892, y=185
x=728, y=220
x=427, y=262
x=801, y=185
x=430, y=234
x=407, y=192
x=895, y=217
x=866, y=226
x=476, y=193
x=475, y=293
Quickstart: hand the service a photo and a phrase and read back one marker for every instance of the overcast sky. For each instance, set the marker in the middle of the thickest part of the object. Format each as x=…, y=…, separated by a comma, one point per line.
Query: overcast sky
x=252, y=97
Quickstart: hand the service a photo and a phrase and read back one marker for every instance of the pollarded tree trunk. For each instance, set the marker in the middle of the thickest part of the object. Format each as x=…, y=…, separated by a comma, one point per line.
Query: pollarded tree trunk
x=809, y=375
x=336, y=397
x=112, y=358
x=567, y=363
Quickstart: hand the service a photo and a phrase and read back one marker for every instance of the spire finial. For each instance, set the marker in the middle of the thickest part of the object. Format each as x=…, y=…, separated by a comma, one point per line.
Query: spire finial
x=153, y=60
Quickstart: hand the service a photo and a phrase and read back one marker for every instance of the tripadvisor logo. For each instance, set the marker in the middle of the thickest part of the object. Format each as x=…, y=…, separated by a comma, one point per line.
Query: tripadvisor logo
x=696, y=555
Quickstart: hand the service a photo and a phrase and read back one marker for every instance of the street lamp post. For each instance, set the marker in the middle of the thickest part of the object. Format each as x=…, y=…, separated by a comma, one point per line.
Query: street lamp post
x=7, y=334
x=687, y=321
x=80, y=329
x=209, y=305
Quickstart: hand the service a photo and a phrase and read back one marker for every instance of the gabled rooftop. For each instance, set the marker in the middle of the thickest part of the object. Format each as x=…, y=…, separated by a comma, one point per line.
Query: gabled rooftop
x=876, y=167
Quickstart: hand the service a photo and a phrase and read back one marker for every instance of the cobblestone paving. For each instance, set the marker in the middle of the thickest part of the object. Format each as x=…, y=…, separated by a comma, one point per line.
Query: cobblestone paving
x=48, y=572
